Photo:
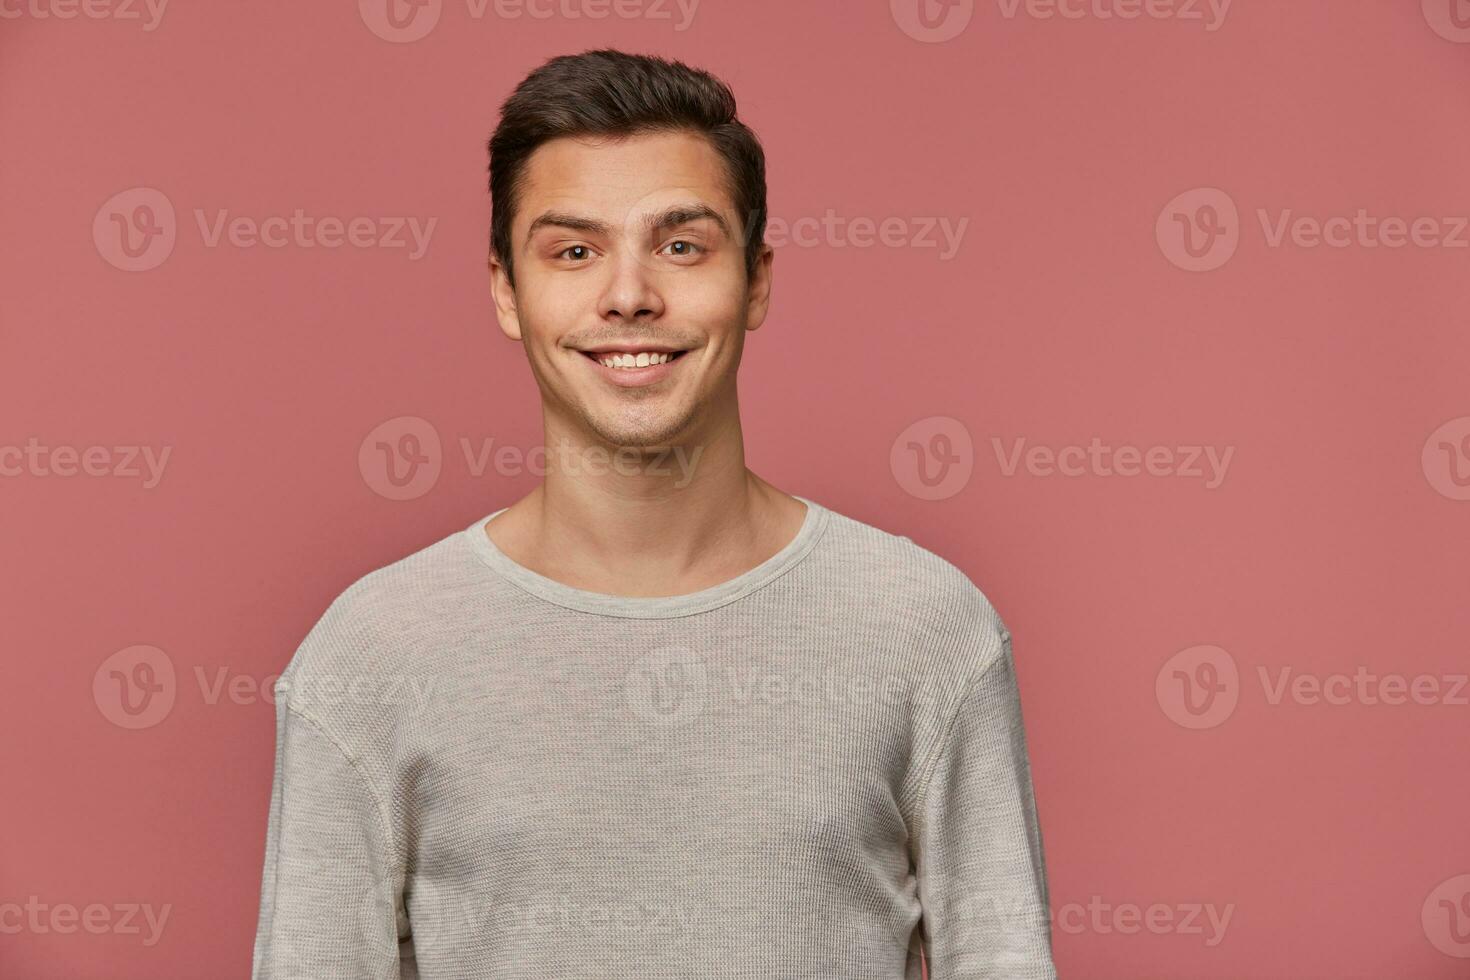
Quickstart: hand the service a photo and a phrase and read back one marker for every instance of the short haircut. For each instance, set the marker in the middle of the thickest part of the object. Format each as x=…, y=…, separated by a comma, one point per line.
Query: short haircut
x=615, y=94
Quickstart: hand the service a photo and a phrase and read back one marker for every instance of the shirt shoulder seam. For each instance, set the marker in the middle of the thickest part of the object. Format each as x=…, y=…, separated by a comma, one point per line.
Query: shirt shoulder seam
x=942, y=743
x=379, y=809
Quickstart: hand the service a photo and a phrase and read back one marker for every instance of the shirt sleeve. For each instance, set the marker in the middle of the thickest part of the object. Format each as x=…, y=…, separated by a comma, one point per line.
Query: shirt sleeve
x=331, y=897
x=979, y=861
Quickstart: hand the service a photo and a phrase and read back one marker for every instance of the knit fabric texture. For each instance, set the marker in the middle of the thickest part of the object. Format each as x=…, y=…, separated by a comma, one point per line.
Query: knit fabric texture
x=816, y=769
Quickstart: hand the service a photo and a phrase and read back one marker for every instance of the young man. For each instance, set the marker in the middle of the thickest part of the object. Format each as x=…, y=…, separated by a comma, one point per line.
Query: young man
x=657, y=718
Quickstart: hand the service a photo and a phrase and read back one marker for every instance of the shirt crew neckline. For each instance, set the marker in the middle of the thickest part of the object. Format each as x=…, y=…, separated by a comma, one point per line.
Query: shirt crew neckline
x=650, y=607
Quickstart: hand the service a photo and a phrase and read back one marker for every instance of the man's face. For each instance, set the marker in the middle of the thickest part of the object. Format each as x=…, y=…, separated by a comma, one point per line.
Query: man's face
x=631, y=249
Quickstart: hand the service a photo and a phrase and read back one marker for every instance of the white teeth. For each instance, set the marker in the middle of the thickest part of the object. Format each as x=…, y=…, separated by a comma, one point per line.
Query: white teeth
x=643, y=359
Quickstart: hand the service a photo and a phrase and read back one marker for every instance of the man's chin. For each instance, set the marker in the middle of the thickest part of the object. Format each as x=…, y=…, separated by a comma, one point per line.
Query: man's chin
x=638, y=442
x=642, y=436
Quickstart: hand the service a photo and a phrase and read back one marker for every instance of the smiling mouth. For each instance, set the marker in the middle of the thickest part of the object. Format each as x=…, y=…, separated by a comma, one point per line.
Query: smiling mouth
x=626, y=360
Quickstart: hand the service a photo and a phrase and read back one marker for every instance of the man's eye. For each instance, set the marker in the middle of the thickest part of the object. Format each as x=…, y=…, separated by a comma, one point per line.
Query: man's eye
x=583, y=249
x=683, y=247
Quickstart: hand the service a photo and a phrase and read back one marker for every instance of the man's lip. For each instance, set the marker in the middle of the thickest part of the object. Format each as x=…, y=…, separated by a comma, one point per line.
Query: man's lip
x=635, y=377
x=631, y=348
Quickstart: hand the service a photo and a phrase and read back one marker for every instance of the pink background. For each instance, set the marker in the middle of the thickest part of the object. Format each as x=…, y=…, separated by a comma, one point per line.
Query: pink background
x=1332, y=834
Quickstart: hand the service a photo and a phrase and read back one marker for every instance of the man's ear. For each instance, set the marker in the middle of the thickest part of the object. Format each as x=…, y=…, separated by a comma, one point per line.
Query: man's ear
x=758, y=293
x=505, y=299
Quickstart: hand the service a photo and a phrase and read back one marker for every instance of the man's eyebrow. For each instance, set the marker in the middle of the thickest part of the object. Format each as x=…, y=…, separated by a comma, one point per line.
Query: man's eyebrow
x=561, y=219
x=670, y=217
x=683, y=214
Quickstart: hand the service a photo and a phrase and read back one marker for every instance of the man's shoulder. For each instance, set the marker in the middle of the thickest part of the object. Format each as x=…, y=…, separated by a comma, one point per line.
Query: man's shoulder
x=902, y=577
x=396, y=603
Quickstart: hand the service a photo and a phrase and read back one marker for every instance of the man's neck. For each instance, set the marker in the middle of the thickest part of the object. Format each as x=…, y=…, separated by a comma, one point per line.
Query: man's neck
x=671, y=522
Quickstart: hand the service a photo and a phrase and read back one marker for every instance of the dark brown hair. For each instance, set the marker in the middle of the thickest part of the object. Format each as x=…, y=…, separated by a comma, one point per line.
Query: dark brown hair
x=612, y=93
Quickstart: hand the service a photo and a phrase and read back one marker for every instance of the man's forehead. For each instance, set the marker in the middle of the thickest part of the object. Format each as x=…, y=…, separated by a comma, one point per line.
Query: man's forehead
x=608, y=177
